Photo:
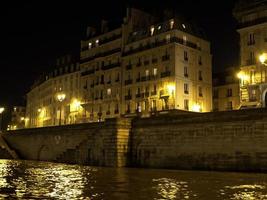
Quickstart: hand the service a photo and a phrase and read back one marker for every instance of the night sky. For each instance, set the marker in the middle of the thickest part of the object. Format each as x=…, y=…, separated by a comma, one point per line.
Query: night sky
x=34, y=33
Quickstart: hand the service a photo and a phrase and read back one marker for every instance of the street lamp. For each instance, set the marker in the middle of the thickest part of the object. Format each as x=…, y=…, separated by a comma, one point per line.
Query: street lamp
x=2, y=109
x=60, y=98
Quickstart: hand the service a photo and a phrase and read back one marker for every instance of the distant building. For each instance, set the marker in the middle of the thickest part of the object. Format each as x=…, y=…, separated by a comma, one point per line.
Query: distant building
x=252, y=18
x=43, y=107
x=226, y=90
x=145, y=65
x=18, y=118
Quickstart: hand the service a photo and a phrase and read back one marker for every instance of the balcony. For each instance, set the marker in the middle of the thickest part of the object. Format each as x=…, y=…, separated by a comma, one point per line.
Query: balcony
x=109, y=82
x=153, y=93
x=165, y=57
x=138, y=95
x=186, y=92
x=88, y=72
x=138, y=80
x=145, y=78
x=154, y=60
x=128, y=67
x=108, y=112
x=110, y=66
x=161, y=43
x=128, y=82
x=164, y=93
x=146, y=62
x=186, y=75
x=101, y=54
x=138, y=64
x=116, y=111
x=250, y=62
x=185, y=58
x=128, y=97
x=200, y=78
x=165, y=74
x=250, y=43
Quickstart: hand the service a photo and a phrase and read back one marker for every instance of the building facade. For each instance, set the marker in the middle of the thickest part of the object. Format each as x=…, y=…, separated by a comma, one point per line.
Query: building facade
x=43, y=106
x=252, y=18
x=145, y=65
x=18, y=118
x=226, y=90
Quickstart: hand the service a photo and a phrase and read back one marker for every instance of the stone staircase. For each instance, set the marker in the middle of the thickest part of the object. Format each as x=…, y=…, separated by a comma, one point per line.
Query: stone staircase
x=79, y=154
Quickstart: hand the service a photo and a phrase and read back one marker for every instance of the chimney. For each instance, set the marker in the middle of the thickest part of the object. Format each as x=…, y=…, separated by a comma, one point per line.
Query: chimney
x=104, y=26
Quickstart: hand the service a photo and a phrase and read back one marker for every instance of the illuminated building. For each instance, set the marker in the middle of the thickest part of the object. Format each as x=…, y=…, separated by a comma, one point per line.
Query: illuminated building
x=43, y=107
x=17, y=118
x=226, y=90
x=143, y=66
x=252, y=18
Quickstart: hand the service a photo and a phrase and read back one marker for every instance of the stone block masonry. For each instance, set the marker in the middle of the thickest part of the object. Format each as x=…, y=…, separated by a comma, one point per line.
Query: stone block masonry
x=232, y=140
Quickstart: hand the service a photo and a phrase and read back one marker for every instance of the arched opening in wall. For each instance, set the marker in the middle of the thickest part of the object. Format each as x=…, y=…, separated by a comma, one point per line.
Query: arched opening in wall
x=43, y=154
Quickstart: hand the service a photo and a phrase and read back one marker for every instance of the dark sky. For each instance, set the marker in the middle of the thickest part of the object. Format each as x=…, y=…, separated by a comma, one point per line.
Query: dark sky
x=34, y=33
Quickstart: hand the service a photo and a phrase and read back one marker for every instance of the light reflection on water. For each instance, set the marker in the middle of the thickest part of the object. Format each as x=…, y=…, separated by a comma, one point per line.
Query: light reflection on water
x=41, y=180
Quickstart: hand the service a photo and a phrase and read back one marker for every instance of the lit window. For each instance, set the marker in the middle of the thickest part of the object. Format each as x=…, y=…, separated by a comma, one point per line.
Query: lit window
x=152, y=30
x=183, y=25
x=147, y=72
x=108, y=91
x=89, y=45
x=155, y=71
x=168, y=38
x=184, y=39
x=171, y=24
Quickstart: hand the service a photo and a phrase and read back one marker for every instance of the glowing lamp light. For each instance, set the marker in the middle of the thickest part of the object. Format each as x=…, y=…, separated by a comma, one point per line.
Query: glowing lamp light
x=196, y=108
x=39, y=110
x=22, y=118
x=2, y=109
x=61, y=97
x=75, y=105
x=242, y=76
x=263, y=58
x=171, y=88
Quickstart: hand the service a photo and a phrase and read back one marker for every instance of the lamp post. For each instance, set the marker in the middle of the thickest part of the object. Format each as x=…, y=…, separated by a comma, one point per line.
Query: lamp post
x=2, y=109
x=60, y=98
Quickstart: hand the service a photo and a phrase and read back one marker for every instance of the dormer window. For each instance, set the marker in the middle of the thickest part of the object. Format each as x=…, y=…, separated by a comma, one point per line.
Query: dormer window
x=171, y=24
x=89, y=45
x=152, y=29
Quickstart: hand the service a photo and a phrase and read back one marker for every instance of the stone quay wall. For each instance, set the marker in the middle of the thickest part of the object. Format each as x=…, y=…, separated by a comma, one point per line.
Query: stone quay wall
x=102, y=144
x=233, y=140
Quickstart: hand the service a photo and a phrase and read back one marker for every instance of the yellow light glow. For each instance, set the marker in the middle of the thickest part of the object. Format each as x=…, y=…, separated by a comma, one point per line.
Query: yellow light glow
x=241, y=75
x=75, y=105
x=171, y=88
x=263, y=58
x=2, y=109
x=61, y=97
x=196, y=108
x=39, y=110
x=22, y=118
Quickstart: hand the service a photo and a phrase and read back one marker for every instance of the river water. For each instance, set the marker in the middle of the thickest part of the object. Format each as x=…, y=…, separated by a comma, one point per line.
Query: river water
x=42, y=180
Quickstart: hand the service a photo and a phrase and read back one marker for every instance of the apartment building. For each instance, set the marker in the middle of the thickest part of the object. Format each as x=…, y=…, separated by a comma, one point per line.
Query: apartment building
x=143, y=66
x=252, y=19
x=43, y=106
x=226, y=90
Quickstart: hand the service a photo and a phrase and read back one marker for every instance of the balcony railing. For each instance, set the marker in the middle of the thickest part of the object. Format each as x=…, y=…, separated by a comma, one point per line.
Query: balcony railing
x=88, y=72
x=165, y=74
x=128, y=97
x=161, y=43
x=153, y=93
x=101, y=54
x=110, y=66
x=128, y=82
